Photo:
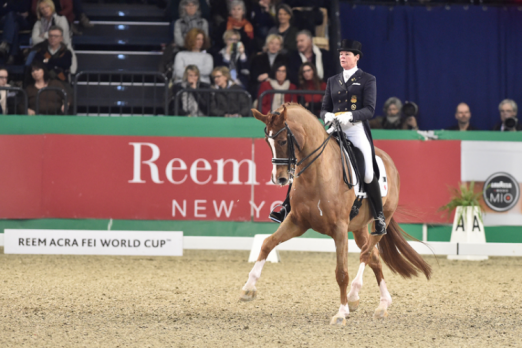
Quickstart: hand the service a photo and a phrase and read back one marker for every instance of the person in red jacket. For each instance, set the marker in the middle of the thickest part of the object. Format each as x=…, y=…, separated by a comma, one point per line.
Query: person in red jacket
x=277, y=81
x=309, y=80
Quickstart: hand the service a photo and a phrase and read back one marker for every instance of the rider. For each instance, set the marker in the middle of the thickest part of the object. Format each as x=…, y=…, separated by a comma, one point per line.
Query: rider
x=350, y=97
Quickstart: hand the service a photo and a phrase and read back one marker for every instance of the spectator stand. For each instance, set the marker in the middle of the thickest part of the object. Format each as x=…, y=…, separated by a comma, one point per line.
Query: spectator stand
x=298, y=92
x=18, y=94
x=54, y=112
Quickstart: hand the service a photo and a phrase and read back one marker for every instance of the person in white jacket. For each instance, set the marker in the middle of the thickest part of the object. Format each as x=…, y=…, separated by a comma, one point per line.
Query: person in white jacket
x=196, y=44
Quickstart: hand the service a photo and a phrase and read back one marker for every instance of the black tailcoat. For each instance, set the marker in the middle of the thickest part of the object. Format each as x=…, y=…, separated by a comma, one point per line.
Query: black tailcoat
x=357, y=96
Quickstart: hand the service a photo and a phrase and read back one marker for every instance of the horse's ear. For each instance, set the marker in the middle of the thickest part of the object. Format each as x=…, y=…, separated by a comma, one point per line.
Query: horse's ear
x=284, y=112
x=259, y=116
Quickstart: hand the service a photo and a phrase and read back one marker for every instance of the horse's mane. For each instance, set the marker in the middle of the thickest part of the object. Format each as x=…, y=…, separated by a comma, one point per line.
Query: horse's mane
x=298, y=114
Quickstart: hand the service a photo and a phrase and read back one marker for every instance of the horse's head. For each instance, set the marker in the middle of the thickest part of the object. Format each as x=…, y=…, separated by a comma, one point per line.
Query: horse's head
x=285, y=139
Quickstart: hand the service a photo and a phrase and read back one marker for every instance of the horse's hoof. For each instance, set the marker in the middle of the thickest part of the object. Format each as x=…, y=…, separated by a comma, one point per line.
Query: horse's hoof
x=353, y=305
x=380, y=313
x=248, y=295
x=338, y=320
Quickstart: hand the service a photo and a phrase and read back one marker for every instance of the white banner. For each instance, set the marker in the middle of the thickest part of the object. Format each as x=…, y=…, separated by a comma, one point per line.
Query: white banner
x=86, y=242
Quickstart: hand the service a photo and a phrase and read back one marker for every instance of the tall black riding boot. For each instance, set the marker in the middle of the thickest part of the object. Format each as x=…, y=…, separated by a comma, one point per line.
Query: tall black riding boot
x=279, y=216
x=374, y=198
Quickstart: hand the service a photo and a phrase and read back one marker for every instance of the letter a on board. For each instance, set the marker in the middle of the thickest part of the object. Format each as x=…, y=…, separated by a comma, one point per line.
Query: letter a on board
x=461, y=223
x=475, y=224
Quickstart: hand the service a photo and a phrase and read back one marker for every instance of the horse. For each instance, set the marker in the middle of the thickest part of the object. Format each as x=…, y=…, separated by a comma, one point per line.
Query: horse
x=321, y=200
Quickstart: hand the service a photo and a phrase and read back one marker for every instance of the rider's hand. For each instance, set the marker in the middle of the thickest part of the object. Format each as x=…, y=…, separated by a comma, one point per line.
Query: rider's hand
x=328, y=117
x=345, y=119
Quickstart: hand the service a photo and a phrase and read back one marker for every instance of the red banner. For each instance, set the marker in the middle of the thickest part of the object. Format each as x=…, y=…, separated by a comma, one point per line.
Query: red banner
x=169, y=178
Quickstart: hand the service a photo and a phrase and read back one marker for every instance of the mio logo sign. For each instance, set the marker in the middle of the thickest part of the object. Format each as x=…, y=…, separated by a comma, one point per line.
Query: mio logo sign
x=501, y=192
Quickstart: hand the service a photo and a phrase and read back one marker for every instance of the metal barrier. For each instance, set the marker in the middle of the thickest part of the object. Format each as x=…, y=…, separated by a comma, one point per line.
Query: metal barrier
x=120, y=93
x=65, y=102
x=208, y=93
x=16, y=91
x=313, y=107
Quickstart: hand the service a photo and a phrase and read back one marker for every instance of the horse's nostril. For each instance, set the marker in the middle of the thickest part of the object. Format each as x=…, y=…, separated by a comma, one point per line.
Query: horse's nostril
x=282, y=181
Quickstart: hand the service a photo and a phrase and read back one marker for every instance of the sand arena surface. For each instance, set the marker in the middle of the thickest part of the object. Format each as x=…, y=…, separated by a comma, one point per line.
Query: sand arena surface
x=192, y=301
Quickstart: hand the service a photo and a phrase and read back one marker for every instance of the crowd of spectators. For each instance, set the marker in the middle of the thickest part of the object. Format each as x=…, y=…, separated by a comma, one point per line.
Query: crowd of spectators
x=220, y=50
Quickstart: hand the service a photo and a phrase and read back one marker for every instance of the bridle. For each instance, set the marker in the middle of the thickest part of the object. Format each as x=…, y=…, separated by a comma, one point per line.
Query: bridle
x=291, y=161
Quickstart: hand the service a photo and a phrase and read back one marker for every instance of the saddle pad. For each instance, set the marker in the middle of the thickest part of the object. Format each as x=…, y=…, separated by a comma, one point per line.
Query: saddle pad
x=383, y=179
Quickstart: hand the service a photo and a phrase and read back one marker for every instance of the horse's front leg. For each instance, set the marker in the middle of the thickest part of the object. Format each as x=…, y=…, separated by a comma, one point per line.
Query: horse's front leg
x=341, y=272
x=287, y=230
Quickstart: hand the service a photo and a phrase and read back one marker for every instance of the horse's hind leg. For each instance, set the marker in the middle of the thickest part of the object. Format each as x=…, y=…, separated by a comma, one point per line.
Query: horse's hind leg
x=369, y=256
x=287, y=230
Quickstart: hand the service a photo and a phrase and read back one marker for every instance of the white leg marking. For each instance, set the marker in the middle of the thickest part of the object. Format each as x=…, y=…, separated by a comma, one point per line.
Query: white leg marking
x=254, y=275
x=272, y=146
x=357, y=284
x=344, y=311
x=386, y=299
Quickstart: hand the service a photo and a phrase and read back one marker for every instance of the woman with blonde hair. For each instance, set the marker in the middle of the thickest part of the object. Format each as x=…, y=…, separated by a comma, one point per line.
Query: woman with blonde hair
x=192, y=103
x=196, y=43
x=262, y=64
x=47, y=17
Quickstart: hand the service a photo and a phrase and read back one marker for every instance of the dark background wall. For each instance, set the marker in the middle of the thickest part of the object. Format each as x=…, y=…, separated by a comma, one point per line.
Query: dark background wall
x=439, y=57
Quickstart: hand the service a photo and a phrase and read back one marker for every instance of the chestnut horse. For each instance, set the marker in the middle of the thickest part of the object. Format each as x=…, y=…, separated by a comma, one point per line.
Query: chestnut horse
x=322, y=201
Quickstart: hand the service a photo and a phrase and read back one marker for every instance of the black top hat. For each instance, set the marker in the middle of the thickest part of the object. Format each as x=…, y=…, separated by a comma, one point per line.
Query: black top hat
x=351, y=46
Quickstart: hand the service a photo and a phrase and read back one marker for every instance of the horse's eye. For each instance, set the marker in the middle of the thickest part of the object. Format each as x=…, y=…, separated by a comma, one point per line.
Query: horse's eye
x=282, y=143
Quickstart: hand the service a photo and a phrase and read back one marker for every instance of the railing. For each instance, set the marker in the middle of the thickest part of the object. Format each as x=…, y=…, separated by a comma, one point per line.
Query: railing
x=209, y=98
x=313, y=107
x=61, y=102
x=14, y=92
x=120, y=93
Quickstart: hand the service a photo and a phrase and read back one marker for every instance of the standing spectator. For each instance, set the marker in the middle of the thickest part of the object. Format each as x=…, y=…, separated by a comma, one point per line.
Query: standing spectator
x=277, y=81
x=232, y=104
x=392, y=117
x=55, y=55
x=508, y=116
x=14, y=17
x=234, y=57
x=463, y=115
x=263, y=17
x=237, y=21
x=309, y=80
x=47, y=17
x=308, y=52
x=284, y=27
x=190, y=17
x=261, y=65
x=196, y=42
x=51, y=102
x=193, y=103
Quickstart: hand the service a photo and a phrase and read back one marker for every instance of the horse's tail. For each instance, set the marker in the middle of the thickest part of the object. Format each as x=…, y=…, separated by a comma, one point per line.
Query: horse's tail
x=398, y=255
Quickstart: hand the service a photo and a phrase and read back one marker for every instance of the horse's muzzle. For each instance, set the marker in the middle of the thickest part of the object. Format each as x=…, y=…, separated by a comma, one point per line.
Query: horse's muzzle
x=282, y=181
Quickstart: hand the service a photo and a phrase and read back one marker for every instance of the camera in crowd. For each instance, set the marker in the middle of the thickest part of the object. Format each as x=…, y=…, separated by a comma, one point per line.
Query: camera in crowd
x=410, y=109
x=511, y=123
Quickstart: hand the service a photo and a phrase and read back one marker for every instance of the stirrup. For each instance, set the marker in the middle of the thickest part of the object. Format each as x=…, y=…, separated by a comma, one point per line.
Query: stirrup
x=380, y=225
x=278, y=216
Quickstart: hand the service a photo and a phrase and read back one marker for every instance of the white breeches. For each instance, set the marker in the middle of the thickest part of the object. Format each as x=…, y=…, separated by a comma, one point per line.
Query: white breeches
x=355, y=133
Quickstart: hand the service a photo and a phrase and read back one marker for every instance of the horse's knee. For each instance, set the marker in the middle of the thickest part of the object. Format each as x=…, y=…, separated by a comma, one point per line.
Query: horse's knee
x=342, y=277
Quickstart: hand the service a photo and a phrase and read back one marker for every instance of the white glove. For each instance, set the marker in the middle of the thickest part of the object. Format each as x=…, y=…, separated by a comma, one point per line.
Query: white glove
x=328, y=117
x=345, y=119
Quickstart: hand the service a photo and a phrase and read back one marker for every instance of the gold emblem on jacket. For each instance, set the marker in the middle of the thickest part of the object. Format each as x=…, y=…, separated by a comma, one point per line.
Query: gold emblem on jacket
x=354, y=99
x=354, y=107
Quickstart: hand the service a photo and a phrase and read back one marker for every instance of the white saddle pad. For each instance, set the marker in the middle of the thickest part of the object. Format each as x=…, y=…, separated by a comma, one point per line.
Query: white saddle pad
x=383, y=179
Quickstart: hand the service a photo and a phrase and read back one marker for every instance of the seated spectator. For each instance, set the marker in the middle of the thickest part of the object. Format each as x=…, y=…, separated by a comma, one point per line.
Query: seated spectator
x=50, y=102
x=47, y=17
x=190, y=17
x=70, y=9
x=261, y=64
x=277, y=81
x=463, y=115
x=233, y=104
x=192, y=103
x=263, y=19
x=53, y=53
x=392, y=117
x=237, y=21
x=14, y=16
x=234, y=57
x=308, y=52
x=508, y=116
x=6, y=100
x=284, y=28
x=196, y=42
x=309, y=80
